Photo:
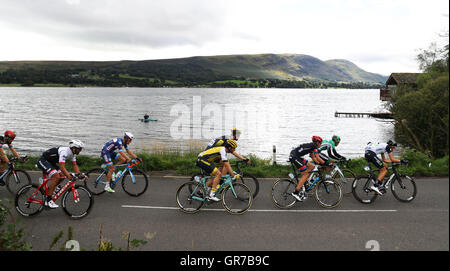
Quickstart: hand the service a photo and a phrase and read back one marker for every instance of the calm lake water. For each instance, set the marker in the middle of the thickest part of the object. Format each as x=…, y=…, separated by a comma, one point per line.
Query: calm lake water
x=189, y=117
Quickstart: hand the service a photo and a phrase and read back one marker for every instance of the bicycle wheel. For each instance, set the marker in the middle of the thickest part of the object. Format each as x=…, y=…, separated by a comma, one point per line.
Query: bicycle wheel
x=96, y=181
x=17, y=179
x=281, y=193
x=251, y=182
x=190, y=202
x=361, y=189
x=404, y=188
x=135, y=183
x=346, y=180
x=328, y=193
x=28, y=204
x=237, y=199
x=80, y=208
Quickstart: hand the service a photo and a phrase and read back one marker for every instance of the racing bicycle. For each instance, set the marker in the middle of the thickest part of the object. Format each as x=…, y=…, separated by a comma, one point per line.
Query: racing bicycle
x=327, y=192
x=192, y=195
x=247, y=179
x=134, y=181
x=402, y=186
x=15, y=178
x=76, y=200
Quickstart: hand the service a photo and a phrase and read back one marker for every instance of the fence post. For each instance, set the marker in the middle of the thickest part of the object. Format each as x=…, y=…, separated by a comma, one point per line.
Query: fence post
x=274, y=158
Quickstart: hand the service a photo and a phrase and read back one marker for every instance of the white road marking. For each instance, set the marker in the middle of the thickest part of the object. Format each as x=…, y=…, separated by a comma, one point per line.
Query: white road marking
x=274, y=210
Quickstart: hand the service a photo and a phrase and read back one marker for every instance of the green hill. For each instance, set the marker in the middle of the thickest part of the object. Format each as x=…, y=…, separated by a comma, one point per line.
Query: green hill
x=199, y=70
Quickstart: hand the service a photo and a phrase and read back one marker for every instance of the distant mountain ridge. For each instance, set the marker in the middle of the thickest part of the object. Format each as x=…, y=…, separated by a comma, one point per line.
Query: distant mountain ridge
x=214, y=68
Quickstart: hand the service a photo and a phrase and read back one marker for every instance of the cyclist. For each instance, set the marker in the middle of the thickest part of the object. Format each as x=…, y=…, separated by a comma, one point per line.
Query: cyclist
x=108, y=154
x=305, y=168
x=330, y=147
x=371, y=152
x=206, y=160
x=220, y=141
x=6, y=139
x=53, y=164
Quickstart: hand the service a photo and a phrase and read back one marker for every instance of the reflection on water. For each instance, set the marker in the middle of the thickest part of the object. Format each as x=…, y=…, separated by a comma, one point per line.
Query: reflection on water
x=47, y=117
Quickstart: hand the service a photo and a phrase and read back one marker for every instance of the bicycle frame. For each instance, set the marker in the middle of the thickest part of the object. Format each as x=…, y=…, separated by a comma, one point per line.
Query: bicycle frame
x=387, y=182
x=227, y=182
x=31, y=199
x=309, y=184
x=127, y=169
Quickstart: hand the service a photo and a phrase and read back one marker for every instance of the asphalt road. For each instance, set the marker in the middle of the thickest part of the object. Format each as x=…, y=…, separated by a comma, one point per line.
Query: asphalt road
x=387, y=224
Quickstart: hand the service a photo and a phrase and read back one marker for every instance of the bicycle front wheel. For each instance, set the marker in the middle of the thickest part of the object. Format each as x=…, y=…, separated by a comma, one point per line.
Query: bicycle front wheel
x=237, y=198
x=17, y=179
x=328, y=193
x=404, y=188
x=190, y=197
x=251, y=182
x=79, y=208
x=96, y=181
x=346, y=180
x=281, y=193
x=361, y=189
x=135, y=182
x=29, y=200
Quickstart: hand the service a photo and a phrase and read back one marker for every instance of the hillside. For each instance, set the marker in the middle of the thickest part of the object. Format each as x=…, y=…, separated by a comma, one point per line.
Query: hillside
x=198, y=70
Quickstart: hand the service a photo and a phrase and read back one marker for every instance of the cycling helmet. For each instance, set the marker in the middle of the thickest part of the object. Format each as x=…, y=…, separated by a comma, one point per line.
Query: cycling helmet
x=231, y=143
x=316, y=139
x=10, y=134
x=128, y=135
x=392, y=143
x=236, y=133
x=75, y=143
x=336, y=138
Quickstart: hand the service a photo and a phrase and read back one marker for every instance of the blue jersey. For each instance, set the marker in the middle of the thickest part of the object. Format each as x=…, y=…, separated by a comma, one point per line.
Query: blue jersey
x=114, y=144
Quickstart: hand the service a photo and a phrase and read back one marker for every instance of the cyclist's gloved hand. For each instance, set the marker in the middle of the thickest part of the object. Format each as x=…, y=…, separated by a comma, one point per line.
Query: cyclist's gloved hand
x=139, y=159
x=237, y=176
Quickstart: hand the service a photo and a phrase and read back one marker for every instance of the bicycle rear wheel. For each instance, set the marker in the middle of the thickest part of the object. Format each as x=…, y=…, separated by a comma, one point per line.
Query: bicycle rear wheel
x=28, y=205
x=328, y=193
x=237, y=199
x=251, y=182
x=17, y=179
x=281, y=193
x=346, y=180
x=80, y=208
x=361, y=189
x=404, y=188
x=135, y=183
x=96, y=181
x=190, y=197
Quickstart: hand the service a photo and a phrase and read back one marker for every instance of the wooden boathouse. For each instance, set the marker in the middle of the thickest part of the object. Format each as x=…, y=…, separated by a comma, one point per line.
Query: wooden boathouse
x=398, y=81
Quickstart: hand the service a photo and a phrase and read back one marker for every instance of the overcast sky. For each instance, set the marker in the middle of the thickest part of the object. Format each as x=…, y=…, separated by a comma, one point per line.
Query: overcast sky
x=380, y=36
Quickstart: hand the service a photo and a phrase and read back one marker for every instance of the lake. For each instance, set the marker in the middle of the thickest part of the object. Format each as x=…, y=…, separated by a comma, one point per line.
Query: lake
x=187, y=118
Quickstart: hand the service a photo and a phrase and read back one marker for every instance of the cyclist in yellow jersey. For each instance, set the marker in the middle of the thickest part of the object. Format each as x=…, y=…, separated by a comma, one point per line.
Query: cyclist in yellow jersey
x=206, y=160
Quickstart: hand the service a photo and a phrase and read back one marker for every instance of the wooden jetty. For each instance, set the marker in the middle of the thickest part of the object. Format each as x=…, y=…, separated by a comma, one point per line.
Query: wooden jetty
x=379, y=115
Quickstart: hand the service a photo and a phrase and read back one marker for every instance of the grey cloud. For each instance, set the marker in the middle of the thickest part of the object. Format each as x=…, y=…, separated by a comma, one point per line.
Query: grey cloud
x=141, y=23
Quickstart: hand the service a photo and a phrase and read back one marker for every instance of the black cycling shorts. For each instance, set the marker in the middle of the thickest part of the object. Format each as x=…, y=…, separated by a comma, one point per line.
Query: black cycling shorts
x=372, y=157
x=46, y=166
x=299, y=162
x=208, y=167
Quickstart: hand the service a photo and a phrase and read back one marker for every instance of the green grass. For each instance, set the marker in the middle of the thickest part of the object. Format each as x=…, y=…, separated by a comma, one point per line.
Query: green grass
x=185, y=164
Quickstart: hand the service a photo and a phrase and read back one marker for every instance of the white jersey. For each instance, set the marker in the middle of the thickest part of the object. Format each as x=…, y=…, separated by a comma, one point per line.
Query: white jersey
x=65, y=153
x=379, y=148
